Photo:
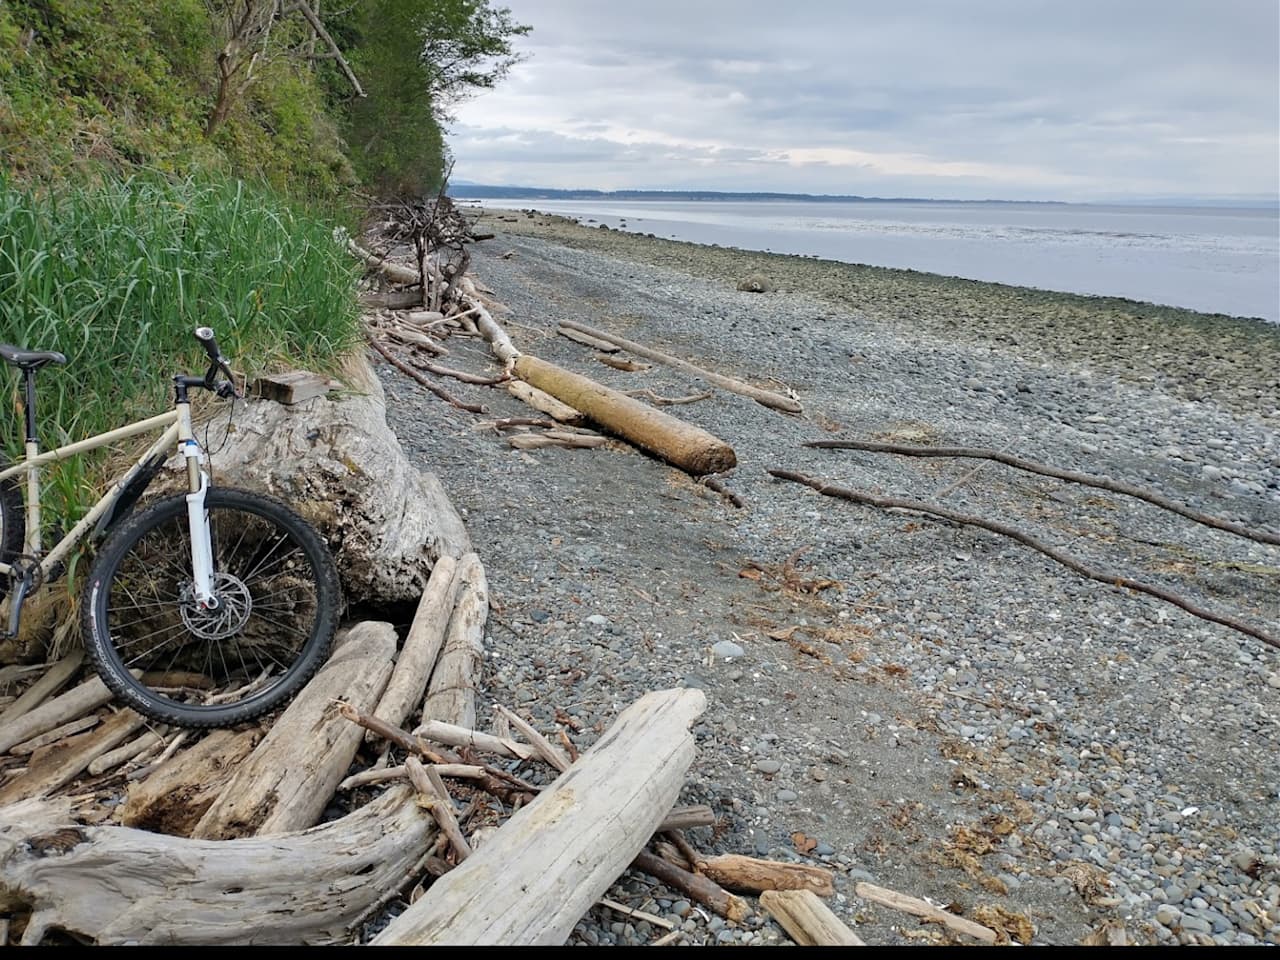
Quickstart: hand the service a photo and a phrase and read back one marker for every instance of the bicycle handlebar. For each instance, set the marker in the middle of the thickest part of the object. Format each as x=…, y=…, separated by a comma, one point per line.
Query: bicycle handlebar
x=216, y=362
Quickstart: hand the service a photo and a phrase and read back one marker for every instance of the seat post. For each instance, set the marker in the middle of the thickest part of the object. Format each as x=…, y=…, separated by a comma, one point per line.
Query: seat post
x=29, y=386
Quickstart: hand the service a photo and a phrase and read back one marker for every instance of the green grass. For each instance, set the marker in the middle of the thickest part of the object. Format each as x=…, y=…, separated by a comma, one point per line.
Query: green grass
x=117, y=275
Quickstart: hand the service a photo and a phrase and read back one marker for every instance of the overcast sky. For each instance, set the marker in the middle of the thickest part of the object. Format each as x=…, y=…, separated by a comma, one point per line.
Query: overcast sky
x=966, y=99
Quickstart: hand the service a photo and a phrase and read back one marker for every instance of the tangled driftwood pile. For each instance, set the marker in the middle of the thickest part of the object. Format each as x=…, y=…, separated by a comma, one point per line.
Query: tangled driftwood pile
x=424, y=296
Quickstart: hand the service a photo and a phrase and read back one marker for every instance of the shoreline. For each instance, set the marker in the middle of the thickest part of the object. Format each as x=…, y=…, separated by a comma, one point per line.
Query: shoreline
x=887, y=685
x=1204, y=357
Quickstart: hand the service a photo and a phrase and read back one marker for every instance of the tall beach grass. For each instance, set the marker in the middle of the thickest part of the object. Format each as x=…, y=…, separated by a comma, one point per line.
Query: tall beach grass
x=117, y=275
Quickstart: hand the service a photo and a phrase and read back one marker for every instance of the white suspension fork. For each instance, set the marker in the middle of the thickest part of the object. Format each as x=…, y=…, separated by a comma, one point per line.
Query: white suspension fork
x=198, y=522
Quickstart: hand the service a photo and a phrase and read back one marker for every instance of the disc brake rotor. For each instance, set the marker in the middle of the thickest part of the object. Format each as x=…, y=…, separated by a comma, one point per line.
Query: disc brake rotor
x=231, y=614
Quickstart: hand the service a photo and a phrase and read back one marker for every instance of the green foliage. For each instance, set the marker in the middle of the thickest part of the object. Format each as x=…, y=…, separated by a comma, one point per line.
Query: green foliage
x=118, y=276
x=466, y=47
x=114, y=87
x=416, y=58
x=91, y=85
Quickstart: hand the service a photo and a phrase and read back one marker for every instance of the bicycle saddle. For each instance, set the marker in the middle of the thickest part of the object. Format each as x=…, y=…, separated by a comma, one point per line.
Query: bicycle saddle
x=30, y=359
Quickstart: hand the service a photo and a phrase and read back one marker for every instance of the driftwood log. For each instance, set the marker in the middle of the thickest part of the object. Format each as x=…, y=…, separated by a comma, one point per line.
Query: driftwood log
x=76, y=702
x=807, y=920
x=118, y=885
x=451, y=692
x=340, y=465
x=683, y=445
x=277, y=789
x=753, y=875
x=58, y=763
x=421, y=647
x=536, y=877
x=1013, y=533
x=764, y=397
x=49, y=683
x=924, y=909
x=543, y=402
x=174, y=797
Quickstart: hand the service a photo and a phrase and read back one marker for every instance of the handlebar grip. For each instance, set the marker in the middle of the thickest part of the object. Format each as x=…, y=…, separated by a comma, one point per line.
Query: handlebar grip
x=210, y=343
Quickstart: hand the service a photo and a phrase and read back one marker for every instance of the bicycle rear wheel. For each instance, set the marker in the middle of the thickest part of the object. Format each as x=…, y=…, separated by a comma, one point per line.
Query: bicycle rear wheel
x=12, y=524
x=165, y=656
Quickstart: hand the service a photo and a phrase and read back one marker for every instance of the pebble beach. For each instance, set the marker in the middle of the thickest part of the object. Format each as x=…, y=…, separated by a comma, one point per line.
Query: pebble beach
x=911, y=702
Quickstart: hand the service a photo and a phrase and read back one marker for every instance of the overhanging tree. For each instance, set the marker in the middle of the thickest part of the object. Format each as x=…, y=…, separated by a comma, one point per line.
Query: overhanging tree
x=418, y=59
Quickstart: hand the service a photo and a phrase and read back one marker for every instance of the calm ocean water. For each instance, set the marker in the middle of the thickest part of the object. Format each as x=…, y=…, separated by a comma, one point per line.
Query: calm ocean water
x=1215, y=260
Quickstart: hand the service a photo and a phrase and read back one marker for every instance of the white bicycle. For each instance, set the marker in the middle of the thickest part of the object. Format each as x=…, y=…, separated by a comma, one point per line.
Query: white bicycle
x=205, y=608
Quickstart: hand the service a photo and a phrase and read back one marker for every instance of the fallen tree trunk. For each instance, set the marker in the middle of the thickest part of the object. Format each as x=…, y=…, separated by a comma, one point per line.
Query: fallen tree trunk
x=536, y=877
x=289, y=779
x=683, y=445
x=117, y=885
x=764, y=397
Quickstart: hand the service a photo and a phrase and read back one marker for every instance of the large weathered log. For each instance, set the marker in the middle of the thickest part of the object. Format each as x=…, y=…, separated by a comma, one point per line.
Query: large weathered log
x=451, y=694
x=421, y=646
x=289, y=779
x=807, y=920
x=116, y=885
x=338, y=463
x=765, y=397
x=557, y=856
x=681, y=444
x=174, y=797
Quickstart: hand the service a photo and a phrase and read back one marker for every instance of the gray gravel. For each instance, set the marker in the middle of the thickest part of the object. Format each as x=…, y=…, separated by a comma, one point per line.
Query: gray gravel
x=936, y=709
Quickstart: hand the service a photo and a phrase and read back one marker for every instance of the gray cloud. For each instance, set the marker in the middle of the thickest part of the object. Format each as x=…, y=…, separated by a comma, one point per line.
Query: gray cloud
x=1000, y=98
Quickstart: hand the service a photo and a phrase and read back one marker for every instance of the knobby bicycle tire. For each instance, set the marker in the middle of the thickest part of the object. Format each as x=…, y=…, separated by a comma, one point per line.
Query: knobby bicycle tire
x=12, y=524
x=166, y=657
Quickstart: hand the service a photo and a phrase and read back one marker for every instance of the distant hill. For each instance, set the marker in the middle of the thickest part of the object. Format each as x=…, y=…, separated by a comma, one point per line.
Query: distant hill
x=464, y=190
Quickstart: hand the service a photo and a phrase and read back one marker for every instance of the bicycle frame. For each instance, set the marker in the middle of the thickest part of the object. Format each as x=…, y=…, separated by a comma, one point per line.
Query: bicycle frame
x=177, y=432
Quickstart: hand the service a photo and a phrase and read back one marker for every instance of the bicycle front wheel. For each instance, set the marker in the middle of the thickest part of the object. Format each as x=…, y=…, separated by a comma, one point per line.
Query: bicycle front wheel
x=174, y=660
